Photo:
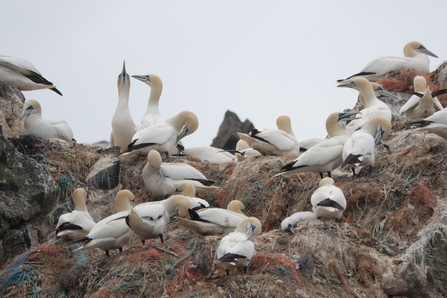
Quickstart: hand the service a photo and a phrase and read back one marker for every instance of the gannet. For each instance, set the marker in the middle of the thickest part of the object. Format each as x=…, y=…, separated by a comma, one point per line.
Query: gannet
x=244, y=149
x=176, y=205
x=34, y=124
x=22, y=74
x=163, y=178
x=188, y=190
x=211, y=154
x=274, y=141
x=164, y=136
x=123, y=127
x=236, y=250
x=415, y=57
x=373, y=106
x=359, y=149
x=328, y=201
x=148, y=223
x=379, y=92
x=327, y=155
x=111, y=232
x=211, y=221
x=152, y=115
x=289, y=222
x=423, y=103
x=78, y=223
x=436, y=123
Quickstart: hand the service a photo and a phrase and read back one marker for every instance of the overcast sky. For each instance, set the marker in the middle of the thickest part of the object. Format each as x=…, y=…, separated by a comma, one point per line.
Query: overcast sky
x=259, y=59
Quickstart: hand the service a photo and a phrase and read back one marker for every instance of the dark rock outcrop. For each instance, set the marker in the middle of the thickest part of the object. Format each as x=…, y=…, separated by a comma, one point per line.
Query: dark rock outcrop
x=227, y=136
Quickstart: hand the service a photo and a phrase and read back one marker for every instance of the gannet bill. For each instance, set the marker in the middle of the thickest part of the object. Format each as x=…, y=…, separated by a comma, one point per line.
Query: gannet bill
x=188, y=190
x=328, y=201
x=163, y=178
x=34, y=124
x=22, y=74
x=123, y=127
x=164, y=136
x=176, y=205
x=111, y=232
x=274, y=141
x=152, y=115
x=236, y=250
x=289, y=222
x=415, y=57
x=78, y=223
x=327, y=155
x=436, y=123
x=148, y=223
x=359, y=149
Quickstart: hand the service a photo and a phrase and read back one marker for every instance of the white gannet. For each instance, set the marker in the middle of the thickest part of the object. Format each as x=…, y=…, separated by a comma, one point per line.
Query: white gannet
x=123, y=127
x=274, y=141
x=148, y=223
x=211, y=221
x=436, y=123
x=415, y=57
x=244, y=149
x=211, y=154
x=359, y=149
x=327, y=155
x=34, y=124
x=373, y=106
x=152, y=115
x=423, y=103
x=78, y=223
x=379, y=92
x=22, y=74
x=328, y=201
x=111, y=232
x=163, y=178
x=236, y=250
x=188, y=190
x=176, y=205
x=289, y=222
x=164, y=136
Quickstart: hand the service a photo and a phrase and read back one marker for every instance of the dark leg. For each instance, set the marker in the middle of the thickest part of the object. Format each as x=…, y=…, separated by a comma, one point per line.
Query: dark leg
x=120, y=249
x=161, y=237
x=329, y=174
x=228, y=272
x=321, y=175
x=245, y=270
x=142, y=241
x=107, y=253
x=353, y=171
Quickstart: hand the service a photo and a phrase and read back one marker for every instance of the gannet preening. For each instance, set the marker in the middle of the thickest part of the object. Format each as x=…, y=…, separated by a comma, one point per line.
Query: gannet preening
x=188, y=190
x=373, y=106
x=289, y=222
x=211, y=154
x=111, y=232
x=328, y=201
x=236, y=250
x=78, y=223
x=423, y=103
x=212, y=221
x=42, y=127
x=327, y=155
x=274, y=141
x=415, y=57
x=163, y=178
x=436, y=123
x=244, y=149
x=123, y=127
x=148, y=223
x=22, y=74
x=176, y=205
x=152, y=115
x=359, y=148
x=164, y=136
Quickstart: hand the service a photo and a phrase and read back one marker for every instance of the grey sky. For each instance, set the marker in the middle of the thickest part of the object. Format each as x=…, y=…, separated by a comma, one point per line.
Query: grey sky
x=259, y=59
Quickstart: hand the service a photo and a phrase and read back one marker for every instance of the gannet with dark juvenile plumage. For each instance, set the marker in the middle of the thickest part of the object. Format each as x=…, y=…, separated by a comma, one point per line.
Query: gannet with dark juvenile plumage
x=152, y=115
x=22, y=74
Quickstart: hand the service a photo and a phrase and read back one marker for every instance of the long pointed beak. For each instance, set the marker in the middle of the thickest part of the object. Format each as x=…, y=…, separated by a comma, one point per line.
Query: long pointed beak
x=350, y=84
x=383, y=92
x=123, y=72
x=424, y=50
x=251, y=230
x=141, y=78
x=290, y=229
x=347, y=116
x=183, y=132
x=27, y=112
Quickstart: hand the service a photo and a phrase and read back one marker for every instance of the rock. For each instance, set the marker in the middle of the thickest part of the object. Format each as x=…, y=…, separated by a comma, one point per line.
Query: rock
x=11, y=104
x=227, y=136
x=105, y=173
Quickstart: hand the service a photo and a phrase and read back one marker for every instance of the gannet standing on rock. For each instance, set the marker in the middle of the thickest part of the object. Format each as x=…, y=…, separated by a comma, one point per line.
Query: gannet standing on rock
x=163, y=178
x=289, y=222
x=42, y=127
x=148, y=223
x=328, y=201
x=274, y=141
x=152, y=115
x=22, y=74
x=327, y=155
x=164, y=136
x=236, y=250
x=415, y=57
x=123, y=127
x=78, y=223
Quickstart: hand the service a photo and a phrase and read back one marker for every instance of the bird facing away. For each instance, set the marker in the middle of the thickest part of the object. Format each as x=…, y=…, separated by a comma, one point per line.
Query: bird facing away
x=415, y=57
x=123, y=127
x=326, y=155
x=274, y=141
x=236, y=249
x=148, y=223
x=289, y=222
x=111, y=232
x=22, y=74
x=328, y=201
x=34, y=124
x=78, y=223
x=152, y=115
x=163, y=178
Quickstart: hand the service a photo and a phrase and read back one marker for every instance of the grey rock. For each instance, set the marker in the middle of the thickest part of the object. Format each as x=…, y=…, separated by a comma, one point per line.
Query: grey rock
x=105, y=173
x=11, y=104
x=227, y=136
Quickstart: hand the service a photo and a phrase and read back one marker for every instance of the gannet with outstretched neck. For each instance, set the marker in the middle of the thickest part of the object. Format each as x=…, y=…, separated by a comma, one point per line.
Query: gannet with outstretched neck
x=22, y=74
x=123, y=127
